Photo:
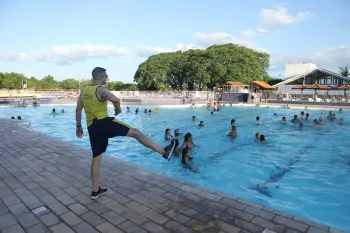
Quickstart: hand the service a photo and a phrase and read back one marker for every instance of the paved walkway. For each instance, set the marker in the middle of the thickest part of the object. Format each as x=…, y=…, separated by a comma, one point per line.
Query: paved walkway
x=37, y=170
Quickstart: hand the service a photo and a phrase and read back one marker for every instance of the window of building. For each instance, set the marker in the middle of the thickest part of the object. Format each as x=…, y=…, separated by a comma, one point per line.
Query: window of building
x=296, y=82
x=308, y=80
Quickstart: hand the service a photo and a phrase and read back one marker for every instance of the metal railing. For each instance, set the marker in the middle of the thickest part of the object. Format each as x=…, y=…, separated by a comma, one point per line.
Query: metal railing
x=304, y=97
x=199, y=95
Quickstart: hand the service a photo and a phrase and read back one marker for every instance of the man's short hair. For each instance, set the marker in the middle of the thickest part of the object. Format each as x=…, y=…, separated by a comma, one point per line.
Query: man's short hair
x=97, y=72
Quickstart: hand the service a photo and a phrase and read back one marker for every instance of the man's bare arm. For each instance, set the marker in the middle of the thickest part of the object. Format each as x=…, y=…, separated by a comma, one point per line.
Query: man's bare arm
x=104, y=94
x=78, y=111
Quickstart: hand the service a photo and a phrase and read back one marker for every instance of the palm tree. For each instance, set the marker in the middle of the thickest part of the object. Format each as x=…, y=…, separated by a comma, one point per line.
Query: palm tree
x=344, y=71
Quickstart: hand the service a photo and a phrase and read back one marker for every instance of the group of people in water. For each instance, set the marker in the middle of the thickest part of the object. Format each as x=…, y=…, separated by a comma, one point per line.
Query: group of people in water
x=54, y=111
x=185, y=148
x=18, y=118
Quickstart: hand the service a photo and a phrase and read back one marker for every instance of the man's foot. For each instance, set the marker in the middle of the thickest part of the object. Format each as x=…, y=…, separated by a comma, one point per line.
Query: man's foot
x=95, y=195
x=169, y=149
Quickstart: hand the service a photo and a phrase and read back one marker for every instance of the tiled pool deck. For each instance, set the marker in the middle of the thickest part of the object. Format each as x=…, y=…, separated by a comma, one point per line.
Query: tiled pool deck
x=38, y=170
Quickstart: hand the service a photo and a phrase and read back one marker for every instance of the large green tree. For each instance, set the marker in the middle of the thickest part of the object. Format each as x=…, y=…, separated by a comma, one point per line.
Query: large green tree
x=199, y=69
x=14, y=81
x=11, y=80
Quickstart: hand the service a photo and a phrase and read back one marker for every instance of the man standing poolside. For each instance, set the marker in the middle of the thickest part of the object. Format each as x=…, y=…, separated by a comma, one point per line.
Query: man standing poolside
x=93, y=99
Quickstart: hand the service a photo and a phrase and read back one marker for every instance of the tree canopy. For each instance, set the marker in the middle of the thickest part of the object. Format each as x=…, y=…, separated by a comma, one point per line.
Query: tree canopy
x=202, y=69
x=14, y=81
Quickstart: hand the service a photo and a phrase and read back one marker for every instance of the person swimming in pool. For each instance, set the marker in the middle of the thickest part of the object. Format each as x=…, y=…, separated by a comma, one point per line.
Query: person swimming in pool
x=321, y=120
x=192, y=106
x=201, y=123
x=330, y=116
x=209, y=105
x=233, y=122
x=316, y=123
x=127, y=109
x=219, y=106
x=323, y=112
x=188, y=141
x=302, y=115
x=307, y=116
x=258, y=121
x=284, y=120
x=215, y=108
x=193, y=118
x=233, y=132
x=170, y=138
x=301, y=125
x=167, y=135
x=257, y=136
x=262, y=139
x=177, y=133
x=295, y=119
x=185, y=157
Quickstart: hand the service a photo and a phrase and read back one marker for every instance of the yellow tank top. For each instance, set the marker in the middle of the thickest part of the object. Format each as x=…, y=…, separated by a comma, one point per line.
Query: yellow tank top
x=94, y=108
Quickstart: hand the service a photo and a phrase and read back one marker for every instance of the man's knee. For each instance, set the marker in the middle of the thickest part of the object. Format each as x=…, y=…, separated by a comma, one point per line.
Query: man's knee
x=97, y=159
x=134, y=133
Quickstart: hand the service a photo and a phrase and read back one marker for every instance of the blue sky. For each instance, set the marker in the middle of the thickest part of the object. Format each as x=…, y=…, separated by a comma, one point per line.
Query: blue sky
x=67, y=39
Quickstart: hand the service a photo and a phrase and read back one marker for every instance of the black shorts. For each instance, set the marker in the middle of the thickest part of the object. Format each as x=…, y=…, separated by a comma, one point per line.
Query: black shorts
x=101, y=130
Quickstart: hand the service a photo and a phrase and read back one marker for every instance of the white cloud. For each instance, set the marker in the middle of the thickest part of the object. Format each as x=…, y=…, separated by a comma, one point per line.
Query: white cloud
x=327, y=58
x=13, y=56
x=146, y=51
x=185, y=47
x=262, y=50
x=247, y=33
x=206, y=40
x=276, y=19
x=65, y=55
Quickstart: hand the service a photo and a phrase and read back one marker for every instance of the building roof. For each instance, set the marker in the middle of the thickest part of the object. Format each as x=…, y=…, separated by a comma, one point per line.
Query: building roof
x=300, y=87
x=231, y=83
x=296, y=77
x=318, y=86
x=262, y=84
x=344, y=87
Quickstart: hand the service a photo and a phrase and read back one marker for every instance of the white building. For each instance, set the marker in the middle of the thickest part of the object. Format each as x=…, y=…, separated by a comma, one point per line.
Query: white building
x=307, y=74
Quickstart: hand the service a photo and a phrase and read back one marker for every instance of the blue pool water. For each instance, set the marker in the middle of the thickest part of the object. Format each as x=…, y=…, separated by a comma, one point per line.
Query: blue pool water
x=308, y=170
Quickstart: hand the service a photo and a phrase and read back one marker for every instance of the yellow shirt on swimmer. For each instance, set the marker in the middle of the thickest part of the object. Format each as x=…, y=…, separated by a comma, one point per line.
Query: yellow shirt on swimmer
x=94, y=108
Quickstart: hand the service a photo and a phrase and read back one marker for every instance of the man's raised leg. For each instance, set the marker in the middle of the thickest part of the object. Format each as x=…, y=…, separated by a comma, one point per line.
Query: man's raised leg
x=144, y=140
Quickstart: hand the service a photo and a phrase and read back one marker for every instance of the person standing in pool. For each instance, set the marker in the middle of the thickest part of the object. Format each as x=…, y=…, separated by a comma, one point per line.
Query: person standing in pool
x=94, y=99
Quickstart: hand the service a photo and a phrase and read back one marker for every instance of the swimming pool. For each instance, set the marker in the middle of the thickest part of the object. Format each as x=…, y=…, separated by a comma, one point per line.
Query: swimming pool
x=307, y=171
